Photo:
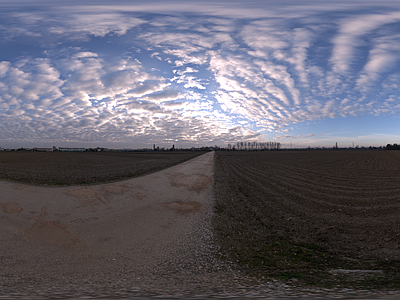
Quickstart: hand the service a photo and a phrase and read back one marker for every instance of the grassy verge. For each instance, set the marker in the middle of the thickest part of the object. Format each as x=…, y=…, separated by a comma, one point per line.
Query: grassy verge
x=261, y=252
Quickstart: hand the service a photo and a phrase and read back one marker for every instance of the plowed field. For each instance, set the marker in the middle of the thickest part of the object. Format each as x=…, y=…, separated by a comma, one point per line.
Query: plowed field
x=69, y=168
x=344, y=203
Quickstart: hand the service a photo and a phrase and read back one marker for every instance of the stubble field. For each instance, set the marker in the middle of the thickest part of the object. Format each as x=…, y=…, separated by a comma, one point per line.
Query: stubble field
x=71, y=168
x=327, y=217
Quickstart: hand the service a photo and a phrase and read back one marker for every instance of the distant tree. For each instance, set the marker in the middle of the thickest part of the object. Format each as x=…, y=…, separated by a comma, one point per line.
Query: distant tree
x=392, y=147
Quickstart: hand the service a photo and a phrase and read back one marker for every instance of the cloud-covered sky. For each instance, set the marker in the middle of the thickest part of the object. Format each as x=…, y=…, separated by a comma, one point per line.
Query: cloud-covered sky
x=136, y=73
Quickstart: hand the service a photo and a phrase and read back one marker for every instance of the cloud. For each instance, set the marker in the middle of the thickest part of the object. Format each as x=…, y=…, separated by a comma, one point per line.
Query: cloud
x=281, y=137
x=79, y=24
x=279, y=73
x=30, y=82
x=85, y=54
x=73, y=23
x=349, y=37
x=125, y=73
x=383, y=57
x=292, y=137
x=147, y=87
x=187, y=70
x=4, y=67
x=191, y=82
x=165, y=95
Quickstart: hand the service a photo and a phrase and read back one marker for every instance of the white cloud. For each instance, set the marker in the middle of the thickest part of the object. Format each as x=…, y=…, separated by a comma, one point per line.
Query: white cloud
x=85, y=54
x=97, y=24
x=4, y=67
x=383, y=57
x=191, y=82
x=211, y=75
x=279, y=73
x=165, y=95
x=147, y=87
x=187, y=70
x=349, y=37
x=36, y=81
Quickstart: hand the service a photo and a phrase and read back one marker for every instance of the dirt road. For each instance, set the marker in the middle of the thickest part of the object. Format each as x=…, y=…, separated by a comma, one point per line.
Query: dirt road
x=136, y=234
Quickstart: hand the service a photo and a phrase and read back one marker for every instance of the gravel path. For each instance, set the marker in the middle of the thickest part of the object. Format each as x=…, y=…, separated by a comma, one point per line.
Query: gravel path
x=146, y=237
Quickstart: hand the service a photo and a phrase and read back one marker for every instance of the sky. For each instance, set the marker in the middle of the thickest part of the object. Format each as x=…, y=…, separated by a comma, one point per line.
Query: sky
x=130, y=74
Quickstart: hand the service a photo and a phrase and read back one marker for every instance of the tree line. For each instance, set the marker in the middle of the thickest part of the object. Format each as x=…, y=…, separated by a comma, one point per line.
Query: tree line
x=254, y=146
x=392, y=147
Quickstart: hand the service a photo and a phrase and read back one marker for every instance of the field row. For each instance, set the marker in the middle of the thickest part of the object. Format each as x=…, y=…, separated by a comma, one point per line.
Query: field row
x=347, y=201
x=69, y=168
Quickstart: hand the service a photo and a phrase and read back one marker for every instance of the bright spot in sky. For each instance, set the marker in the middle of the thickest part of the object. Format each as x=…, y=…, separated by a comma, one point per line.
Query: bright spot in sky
x=130, y=74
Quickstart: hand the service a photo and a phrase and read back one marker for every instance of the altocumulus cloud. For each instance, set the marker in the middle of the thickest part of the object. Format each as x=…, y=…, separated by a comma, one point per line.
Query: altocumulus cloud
x=133, y=75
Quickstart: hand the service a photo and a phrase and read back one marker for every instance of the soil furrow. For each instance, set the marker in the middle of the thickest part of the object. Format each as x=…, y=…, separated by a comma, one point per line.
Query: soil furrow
x=342, y=200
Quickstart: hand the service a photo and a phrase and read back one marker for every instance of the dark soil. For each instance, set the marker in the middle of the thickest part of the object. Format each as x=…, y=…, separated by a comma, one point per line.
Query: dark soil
x=71, y=168
x=303, y=215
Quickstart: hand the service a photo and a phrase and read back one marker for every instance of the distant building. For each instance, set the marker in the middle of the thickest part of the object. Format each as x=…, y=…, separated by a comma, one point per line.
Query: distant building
x=43, y=149
x=65, y=149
